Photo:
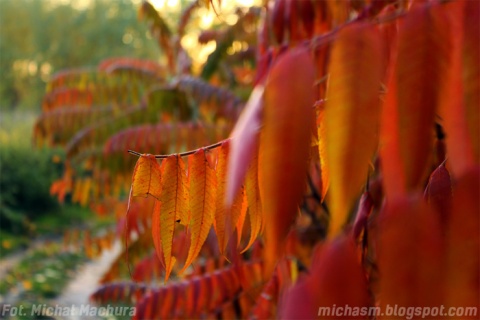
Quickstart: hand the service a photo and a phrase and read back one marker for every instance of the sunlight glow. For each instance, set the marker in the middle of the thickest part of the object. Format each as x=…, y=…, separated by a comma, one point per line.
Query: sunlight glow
x=172, y=3
x=207, y=19
x=246, y=3
x=157, y=4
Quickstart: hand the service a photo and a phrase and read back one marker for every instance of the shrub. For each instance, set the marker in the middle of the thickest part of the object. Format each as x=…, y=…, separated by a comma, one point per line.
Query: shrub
x=26, y=175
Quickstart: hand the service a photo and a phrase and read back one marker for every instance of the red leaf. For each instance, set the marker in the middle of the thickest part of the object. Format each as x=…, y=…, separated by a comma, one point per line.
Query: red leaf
x=285, y=146
x=460, y=102
x=365, y=207
x=463, y=243
x=409, y=113
x=336, y=279
x=409, y=254
x=439, y=192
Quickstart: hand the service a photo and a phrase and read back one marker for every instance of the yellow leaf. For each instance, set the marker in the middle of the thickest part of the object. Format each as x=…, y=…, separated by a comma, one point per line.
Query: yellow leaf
x=27, y=285
x=322, y=151
x=85, y=193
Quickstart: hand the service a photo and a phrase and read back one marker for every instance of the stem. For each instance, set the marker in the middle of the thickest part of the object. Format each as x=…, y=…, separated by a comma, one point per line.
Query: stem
x=187, y=153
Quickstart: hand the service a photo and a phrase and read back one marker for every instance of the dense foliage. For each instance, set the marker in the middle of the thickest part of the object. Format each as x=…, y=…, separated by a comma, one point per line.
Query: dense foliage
x=350, y=178
x=25, y=189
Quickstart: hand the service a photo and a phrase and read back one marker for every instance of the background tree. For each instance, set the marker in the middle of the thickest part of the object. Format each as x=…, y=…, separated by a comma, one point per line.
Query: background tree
x=50, y=30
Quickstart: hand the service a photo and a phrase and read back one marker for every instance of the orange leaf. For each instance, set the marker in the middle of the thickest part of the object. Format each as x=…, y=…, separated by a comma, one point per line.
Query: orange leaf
x=254, y=202
x=409, y=250
x=226, y=217
x=156, y=231
x=146, y=177
x=352, y=115
x=471, y=74
x=322, y=151
x=239, y=213
x=203, y=188
x=220, y=211
x=174, y=200
x=460, y=98
x=85, y=193
x=408, y=116
x=285, y=146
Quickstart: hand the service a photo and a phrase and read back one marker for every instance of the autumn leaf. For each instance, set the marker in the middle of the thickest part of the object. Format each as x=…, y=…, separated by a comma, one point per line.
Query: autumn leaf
x=85, y=191
x=239, y=213
x=365, y=208
x=409, y=248
x=471, y=74
x=174, y=199
x=285, y=145
x=438, y=192
x=334, y=268
x=254, y=202
x=463, y=242
x=322, y=150
x=203, y=188
x=352, y=116
x=409, y=113
x=220, y=210
x=460, y=97
x=156, y=232
x=146, y=177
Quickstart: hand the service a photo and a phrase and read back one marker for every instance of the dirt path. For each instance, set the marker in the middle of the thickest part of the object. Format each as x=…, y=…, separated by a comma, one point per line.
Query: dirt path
x=78, y=290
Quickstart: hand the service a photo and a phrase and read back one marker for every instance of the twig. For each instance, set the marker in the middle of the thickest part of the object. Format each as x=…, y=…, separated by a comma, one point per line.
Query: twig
x=187, y=153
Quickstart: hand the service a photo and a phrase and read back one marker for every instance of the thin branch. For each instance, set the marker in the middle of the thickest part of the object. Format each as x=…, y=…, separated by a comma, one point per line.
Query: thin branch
x=187, y=153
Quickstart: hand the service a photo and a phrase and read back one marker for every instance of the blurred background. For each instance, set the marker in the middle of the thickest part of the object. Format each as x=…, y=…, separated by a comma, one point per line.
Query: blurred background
x=38, y=38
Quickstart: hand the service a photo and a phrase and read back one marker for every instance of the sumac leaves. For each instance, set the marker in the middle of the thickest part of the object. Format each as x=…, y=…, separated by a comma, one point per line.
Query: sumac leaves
x=174, y=205
x=285, y=145
x=146, y=177
x=352, y=115
x=203, y=188
x=409, y=113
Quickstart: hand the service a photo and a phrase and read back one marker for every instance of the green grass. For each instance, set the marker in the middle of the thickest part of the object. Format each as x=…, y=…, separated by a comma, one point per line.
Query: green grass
x=65, y=217
x=10, y=242
x=27, y=210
